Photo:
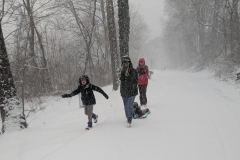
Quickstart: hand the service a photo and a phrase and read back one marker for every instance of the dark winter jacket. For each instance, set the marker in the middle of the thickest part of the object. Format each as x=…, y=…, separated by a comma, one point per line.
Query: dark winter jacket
x=129, y=81
x=87, y=94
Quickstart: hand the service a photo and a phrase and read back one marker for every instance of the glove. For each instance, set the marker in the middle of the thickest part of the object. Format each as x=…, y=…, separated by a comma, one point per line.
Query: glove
x=66, y=95
x=107, y=97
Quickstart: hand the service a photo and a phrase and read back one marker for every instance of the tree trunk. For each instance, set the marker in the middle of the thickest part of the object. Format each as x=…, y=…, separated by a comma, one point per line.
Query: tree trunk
x=46, y=77
x=11, y=111
x=106, y=40
x=32, y=35
x=235, y=31
x=113, y=42
x=124, y=27
x=201, y=34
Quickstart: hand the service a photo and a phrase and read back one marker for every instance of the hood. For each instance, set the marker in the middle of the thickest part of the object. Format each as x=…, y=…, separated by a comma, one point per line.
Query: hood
x=84, y=77
x=141, y=60
x=129, y=60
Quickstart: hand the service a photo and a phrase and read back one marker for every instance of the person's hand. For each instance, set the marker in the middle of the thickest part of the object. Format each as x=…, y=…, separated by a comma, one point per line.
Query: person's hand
x=66, y=95
x=106, y=97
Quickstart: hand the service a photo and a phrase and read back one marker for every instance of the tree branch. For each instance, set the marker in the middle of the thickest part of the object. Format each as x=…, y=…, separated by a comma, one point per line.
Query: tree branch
x=2, y=14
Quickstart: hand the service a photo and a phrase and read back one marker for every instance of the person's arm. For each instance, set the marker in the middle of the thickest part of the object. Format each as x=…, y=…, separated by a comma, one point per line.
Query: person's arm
x=98, y=89
x=134, y=76
x=123, y=77
x=137, y=70
x=75, y=92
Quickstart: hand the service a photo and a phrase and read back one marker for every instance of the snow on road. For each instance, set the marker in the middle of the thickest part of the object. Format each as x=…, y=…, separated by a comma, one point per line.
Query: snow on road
x=193, y=117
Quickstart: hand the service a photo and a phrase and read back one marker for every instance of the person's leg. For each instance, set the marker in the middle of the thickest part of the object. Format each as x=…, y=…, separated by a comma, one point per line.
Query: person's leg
x=125, y=105
x=95, y=117
x=88, y=109
x=129, y=109
x=90, y=112
x=144, y=94
x=85, y=110
x=130, y=104
x=140, y=87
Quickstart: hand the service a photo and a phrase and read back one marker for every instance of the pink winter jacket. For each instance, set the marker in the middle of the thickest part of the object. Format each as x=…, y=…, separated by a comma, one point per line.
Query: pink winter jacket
x=143, y=72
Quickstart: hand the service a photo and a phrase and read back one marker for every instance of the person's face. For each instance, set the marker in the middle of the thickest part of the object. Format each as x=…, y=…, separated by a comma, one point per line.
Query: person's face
x=141, y=63
x=84, y=81
x=126, y=64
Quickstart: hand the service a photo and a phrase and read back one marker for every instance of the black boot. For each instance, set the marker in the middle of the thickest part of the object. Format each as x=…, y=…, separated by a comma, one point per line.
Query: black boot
x=95, y=117
x=90, y=124
x=129, y=120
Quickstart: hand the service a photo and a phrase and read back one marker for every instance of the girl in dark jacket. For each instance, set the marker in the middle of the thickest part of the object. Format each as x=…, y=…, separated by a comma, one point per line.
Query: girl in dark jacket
x=86, y=89
x=128, y=88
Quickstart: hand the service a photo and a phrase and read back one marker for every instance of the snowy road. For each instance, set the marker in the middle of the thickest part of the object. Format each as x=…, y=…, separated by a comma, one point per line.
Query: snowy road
x=193, y=117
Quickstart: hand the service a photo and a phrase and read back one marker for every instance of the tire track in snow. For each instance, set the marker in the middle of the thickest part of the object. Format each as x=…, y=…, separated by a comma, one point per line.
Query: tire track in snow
x=175, y=84
x=70, y=141
x=210, y=115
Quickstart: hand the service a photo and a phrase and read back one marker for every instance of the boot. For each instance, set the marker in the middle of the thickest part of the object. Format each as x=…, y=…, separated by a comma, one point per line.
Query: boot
x=129, y=120
x=90, y=124
x=95, y=117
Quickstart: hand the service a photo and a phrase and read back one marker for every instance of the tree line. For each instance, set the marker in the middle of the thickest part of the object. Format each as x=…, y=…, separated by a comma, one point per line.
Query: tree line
x=203, y=34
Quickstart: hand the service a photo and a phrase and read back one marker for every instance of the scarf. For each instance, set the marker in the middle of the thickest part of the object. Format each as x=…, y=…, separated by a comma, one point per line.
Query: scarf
x=143, y=66
x=141, y=69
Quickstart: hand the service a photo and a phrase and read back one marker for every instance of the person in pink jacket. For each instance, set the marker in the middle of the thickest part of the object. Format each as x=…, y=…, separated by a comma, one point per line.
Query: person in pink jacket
x=143, y=74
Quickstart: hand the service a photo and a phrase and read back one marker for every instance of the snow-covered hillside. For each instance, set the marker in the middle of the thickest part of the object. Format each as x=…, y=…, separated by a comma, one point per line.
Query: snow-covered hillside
x=193, y=117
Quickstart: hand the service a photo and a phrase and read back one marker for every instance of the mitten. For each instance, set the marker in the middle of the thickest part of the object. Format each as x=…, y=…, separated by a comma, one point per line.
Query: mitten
x=66, y=95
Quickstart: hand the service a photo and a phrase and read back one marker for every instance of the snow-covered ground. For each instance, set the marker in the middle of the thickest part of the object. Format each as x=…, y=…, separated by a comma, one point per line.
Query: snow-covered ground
x=193, y=117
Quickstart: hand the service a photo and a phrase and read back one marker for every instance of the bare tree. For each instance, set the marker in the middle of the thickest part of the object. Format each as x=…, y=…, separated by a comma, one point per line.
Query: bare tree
x=28, y=6
x=105, y=25
x=205, y=33
x=11, y=111
x=87, y=34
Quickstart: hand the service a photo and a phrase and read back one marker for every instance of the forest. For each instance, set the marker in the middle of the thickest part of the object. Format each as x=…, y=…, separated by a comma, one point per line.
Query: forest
x=45, y=45
x=203, y=34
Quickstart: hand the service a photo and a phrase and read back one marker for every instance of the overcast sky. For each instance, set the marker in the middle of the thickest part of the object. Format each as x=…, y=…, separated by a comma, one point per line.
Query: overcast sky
x=152, y=11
